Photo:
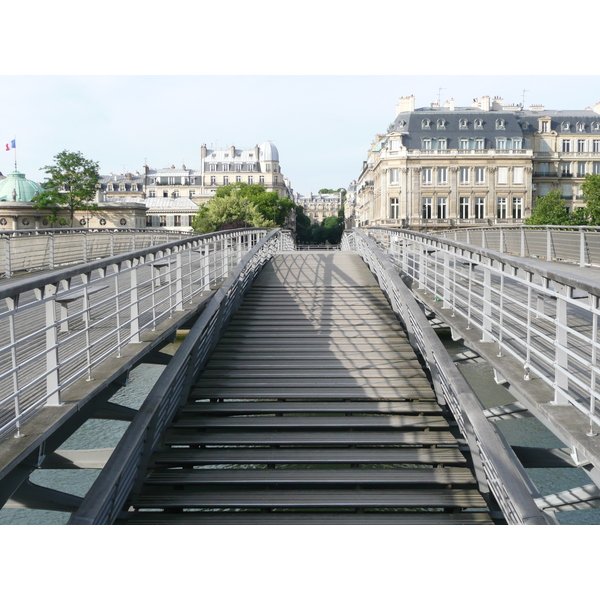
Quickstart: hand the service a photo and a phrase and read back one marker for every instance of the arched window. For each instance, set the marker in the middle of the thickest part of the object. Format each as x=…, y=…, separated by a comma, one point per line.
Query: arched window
x=426, y=124
x=441, y=124
x=500, y=124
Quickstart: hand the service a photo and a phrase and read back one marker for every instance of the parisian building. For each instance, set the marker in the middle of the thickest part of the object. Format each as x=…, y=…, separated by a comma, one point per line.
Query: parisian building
x=485, y=164
x=319, y=206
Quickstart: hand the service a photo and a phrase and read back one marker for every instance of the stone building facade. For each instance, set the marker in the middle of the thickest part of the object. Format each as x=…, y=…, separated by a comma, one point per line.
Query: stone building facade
x=447, y=166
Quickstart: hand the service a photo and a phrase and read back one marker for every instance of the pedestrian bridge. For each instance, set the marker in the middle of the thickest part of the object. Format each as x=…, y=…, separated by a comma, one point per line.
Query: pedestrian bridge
x=312, y=389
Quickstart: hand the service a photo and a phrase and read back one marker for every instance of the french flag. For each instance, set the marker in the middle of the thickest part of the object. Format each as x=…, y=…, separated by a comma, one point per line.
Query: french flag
x=13, y=144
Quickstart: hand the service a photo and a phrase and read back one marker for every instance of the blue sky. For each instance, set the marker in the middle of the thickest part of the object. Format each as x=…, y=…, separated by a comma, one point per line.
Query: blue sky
x=321, y=124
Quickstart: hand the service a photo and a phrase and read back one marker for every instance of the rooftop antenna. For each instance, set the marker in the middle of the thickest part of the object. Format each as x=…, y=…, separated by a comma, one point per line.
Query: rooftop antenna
x=440, y=96
x=524, y=98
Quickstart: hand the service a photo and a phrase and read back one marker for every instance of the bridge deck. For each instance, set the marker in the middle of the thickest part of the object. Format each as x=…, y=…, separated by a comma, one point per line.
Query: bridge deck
x=312, y=409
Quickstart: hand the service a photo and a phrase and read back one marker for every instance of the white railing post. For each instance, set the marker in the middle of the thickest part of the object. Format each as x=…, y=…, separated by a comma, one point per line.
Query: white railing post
x=134, y=301
x=582, y=261
x=561, y=377
x=487, y=305
x=51, y=257
x=178, y=283
x=85, y=247
x=522, y=241
x=548, y=243
x=52, y=377
x=7, y=256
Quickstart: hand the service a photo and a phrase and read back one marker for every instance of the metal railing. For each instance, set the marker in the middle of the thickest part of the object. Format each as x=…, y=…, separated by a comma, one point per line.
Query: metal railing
x=26, y=250
x=57, y=327
x=579, y=245
x=124, y=472
x=496, y=467
x=543, y=316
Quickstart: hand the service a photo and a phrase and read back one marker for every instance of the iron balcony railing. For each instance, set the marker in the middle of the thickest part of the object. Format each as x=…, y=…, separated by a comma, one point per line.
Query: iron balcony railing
x=124, y=472
x=496, y=467
x=26, y=250
x=57, y=327
x=543, y=316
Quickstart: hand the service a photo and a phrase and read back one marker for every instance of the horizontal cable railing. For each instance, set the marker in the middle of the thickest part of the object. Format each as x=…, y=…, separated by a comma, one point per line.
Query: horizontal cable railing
x=496, y=467
x=27, y=250
x=542, y=315
x=57, y=327
x=579, y=245
x=123, y=474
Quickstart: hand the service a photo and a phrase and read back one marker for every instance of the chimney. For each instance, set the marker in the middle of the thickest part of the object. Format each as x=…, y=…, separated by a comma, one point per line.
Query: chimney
x=596, y=108
x=449, y=104
x=484, y=103
x=536, y=107
x=203, y=151
x=497, y=103
x=405, y=104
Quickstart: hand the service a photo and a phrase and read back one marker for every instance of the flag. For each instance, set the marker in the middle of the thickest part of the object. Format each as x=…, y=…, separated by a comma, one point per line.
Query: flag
x=12, y=144
x=7, y=147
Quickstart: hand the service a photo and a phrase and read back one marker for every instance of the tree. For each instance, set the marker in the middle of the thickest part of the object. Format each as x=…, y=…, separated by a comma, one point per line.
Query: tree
x=591, y=196
x=549, y=210
x=71, y=183
x=230, y=211
x=302, y=225
x=271, y=206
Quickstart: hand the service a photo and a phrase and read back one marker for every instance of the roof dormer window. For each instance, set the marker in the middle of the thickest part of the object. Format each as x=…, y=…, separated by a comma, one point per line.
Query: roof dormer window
x=595, y=126
x=426, y=124
x=500, y=124
x=462, y=123
x=402, y=124
x=580, y=127
x=441, y=124
x=565, y=126
x=478, y=124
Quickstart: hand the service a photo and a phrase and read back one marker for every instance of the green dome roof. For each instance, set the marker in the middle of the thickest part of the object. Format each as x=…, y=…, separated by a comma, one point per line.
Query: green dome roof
x=25, y=189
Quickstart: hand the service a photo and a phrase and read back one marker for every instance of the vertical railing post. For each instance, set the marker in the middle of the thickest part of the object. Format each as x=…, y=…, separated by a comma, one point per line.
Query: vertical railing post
x=112, y=243
x=178, y=283
x=134, y=302
x=52, y=376
x=582, y=261
x=548, y=243
x=501, y=240
x=486, y=329
x=85, y=247
x=8, y=257
x=13, y=305
x=522, y=241
x=561, y=359
x=447, y=301
x=51, y=253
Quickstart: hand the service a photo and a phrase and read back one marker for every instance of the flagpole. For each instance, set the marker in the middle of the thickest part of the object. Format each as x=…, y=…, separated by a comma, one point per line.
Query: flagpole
x=15, y=138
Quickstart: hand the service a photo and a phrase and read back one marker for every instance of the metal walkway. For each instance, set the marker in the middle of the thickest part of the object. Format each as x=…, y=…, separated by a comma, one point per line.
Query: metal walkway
x=313, y=408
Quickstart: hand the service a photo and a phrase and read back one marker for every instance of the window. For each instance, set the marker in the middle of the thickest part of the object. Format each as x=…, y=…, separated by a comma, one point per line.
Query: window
x=192, y=193
x=517, y=208
x=251, y=167
x=394, y=144
x=261, y=179
x=580, y=145
x=162, y=221
x=462, y=124
x=176, y=194
x=595, y=126
x=238, y=178
x=442, y=175
x=441, y=208
x=426, y=144
x=425, y=124
x=401, y=124
x=567, y=190
x=517, y=143
x=464, y=144
x=580, y=169
x=238, y=167
x=596, y=168
x=479, y=208
x=250, y=180
x=463, y=207
x=213, y=180
x=501, y=208
x=122, y=187
x=479, y=175
x=565, y=126
x=544, y=168
x=518, y=175
x=213, y=167
x=442, y=144
x=544, y=188
x=275, y=179
x=500, y=124
x=426, y=204
x=478, y=124
x=151, y=193
x=479, y=144
x=545, y=126
x=441, y=124
x=226, y=167
x=393, y=176
x=464, y=174
x=177, y=220
x=595, y=145
x=394, y=208
x=165, y=193
x=566, y=169
x=427, y=176
x=502, y=174
x=501, y=143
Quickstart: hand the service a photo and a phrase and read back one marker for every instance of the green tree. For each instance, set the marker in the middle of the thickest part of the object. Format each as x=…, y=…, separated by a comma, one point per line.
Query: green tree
x=71, y=183
x=272, y=207
x=302, y=225
x=549, y=210
x=591, y=196
x=230, y=211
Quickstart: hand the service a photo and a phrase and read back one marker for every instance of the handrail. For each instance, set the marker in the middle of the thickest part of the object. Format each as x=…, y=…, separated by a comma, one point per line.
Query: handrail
x=25, y=250
x=496, y=467
x=58, y=326
x=574, y=244
x=123, y=474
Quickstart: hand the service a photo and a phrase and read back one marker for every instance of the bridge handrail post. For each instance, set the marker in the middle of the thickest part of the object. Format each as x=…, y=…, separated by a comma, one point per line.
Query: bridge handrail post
x=582, y=261
x=52, y=360
x=7, y=256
